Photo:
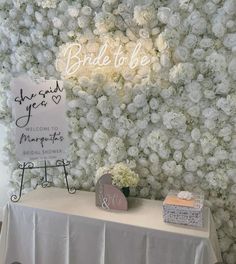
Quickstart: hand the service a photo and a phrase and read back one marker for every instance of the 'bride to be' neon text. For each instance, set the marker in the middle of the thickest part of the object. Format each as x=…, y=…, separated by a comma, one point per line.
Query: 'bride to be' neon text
x=74, y=58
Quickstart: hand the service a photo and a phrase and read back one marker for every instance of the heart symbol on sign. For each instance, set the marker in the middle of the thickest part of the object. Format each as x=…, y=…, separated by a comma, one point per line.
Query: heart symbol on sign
x=56, y=99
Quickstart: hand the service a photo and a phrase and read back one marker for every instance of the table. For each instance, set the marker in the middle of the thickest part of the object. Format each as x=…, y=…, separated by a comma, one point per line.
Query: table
x=51, y=226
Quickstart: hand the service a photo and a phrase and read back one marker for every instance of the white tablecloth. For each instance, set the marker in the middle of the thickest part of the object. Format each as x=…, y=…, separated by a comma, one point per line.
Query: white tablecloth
x=51, y=226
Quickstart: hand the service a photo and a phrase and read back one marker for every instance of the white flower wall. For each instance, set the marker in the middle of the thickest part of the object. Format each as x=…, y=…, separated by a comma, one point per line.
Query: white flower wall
x=173, y=122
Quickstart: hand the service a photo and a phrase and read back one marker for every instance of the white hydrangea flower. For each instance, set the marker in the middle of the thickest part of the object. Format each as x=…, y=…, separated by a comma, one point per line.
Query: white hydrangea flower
x=157, y=139
x=172, y=120
x=182, y=73
x=208, y=142
x=217, y=179
x=116, y=150
x=227, y=105
x=171, y=168
x=101, y=139
x=216, y=62
x=47, y=3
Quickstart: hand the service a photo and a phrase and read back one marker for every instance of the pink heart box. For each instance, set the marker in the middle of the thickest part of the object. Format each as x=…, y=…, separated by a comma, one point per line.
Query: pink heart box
x=109, y=197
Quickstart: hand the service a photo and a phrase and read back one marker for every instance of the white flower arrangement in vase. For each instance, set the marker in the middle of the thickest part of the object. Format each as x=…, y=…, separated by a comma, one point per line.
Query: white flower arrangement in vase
x=122, y=176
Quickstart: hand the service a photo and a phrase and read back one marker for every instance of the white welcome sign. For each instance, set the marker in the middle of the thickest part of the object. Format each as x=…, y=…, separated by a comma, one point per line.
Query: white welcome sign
x=40, y=119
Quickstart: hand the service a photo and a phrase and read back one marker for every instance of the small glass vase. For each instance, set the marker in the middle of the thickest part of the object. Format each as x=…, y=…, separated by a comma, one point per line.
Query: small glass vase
x=125, y=191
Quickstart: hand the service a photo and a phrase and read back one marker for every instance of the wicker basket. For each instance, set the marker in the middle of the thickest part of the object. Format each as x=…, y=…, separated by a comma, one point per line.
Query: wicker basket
x=183, y=212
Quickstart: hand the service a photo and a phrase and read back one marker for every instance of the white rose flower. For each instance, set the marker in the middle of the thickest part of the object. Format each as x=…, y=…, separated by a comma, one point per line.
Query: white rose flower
x=210, y=113
x=103, y=105
x=153, y=157
x=230, y=7
x=199, y=27
x=194, y=90
x=153, y=104
x=74, y=103
x=184, y=4
x=140, y=100
x=230, y=40
x=194, y=111
x=233, y=189
x=161, y=42
x=73, y=11
x=190, y=165
x=155, y=118
x=181, y=54
x=111, y=2
x=225, y=132
x=83, y=21
x=198, y=54
x=221, y=154
x=144, y=14
x=225, y=104
x=96, y=3
x=57, y=22
x=190, y=41
x=104, y=22
x=165, y=59
x=218, y=29
x=232, y=68
x=210, y=8
x=189, y=178
x=176, y=144
x=92, y=116
x=223, y=85
x=195, y=134
x=177, y=156
x=86, y=10
x=133, y=151
x=107, y=123
x=164, y=14
x=206, y=43
x=174, y=20
x=144, y=33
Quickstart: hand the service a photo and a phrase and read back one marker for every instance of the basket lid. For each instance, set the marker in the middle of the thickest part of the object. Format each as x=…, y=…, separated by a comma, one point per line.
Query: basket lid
x=195, y=202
